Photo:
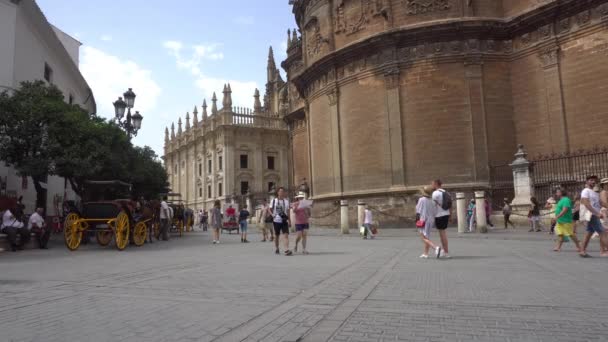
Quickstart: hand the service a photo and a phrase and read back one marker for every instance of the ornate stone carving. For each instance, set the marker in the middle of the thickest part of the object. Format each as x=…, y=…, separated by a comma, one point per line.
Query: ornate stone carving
x=583, y=18
x=352, y=16
x=564, y=25
x=603, y=10
x=549, y=57
x=526, y=39
x=391, y=78
x=545, y=31
x=314, y=40
x=415, y=7
x=332, y=95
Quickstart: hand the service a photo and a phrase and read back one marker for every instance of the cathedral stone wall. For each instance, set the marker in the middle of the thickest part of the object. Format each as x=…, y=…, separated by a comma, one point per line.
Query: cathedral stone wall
x=399, y=92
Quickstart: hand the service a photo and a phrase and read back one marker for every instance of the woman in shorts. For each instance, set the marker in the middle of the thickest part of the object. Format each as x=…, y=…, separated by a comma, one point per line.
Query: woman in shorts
x=425, y=212
x=302, y=215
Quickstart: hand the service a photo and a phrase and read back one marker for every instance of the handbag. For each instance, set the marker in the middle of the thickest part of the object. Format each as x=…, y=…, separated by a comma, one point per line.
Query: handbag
x=420, y=224
x=374, y=231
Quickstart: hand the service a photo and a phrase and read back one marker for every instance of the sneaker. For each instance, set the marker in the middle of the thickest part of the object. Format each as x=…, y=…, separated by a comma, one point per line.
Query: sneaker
x=218, y=242
x=246, y=241
x=437, y=252
x=424, y=256
x=214, y=242
x=446, y=256
x=288, y=253
x=277, y=252
x=305, y=252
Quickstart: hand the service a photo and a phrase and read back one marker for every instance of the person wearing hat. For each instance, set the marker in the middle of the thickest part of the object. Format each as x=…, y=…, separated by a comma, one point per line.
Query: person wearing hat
x=302, y=214
x=425, y=220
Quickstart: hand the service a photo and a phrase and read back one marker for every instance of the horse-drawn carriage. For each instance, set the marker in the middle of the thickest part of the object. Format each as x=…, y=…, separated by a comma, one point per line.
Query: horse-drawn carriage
x=181, y=218
x=106, y=213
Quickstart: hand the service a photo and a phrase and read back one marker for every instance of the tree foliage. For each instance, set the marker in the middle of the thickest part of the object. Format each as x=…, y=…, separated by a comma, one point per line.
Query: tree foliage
x=42, y=135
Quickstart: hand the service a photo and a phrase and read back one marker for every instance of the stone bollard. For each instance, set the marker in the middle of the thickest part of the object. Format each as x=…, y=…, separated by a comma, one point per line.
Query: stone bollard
x=344, y=217
x=461, y=211
x=360, y=213
x=480, y=209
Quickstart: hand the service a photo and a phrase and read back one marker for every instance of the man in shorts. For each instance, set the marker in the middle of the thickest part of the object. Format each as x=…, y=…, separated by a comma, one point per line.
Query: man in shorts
x=279, y=209
x=442, y=216
x=563, y=221
x=591, y=200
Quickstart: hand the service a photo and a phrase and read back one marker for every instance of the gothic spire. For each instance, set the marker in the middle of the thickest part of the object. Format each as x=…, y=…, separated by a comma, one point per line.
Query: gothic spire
x=179, y=126
x=195, y=117
x=204, y=109
x=272, y=66
x=229, y=100
x=289, y=41
x=166, y=134
x=187, y=121
x=214, y=104
x=172, y=130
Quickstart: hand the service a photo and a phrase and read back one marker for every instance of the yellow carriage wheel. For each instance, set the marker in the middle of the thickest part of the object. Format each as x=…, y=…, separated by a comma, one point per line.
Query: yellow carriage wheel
x=140, y=233
x=104, y=237
x=71, y=231
x=121, y=231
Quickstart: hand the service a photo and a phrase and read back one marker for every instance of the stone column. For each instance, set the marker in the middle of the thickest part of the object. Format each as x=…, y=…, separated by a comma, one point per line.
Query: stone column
x=344, y=217
x=360, y=213
x=395, y=129
x=461, y=210
x=335, y=139
x=480, y=208
x=522, y=180
x=477, y=110
x=555, y=99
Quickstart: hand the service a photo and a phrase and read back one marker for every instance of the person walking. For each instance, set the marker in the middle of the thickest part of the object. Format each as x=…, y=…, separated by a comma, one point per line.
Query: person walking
x=488, y=207
x=506, y=213
x=216, y=221
x=591, y=200
x=165, y=219
x=564, y=222
x=243, y=217
x=576, y=211
x=550, y=205
x=443, y=203
x=37, y=225
x=302, y=215
x=534, y=215
x=426, y=211
x=604, y=204
x=265, y=222
x=279, y=209
x=368, y=220
x=471, y=215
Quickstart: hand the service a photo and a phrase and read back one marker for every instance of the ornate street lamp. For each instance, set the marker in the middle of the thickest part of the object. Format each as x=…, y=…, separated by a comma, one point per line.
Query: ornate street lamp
x=132, y=124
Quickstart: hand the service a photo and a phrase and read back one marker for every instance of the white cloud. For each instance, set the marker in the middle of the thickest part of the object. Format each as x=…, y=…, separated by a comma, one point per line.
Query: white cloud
x=242, y=91
x=106, y=38
x=244, y=20
x=198, y=54
x=109, y=77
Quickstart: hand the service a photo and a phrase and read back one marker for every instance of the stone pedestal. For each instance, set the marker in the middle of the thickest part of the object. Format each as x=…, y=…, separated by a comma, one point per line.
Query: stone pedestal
x=344, y=217
x=461, y=210
x=360, y=213
x=480, y=209
x=522, y=180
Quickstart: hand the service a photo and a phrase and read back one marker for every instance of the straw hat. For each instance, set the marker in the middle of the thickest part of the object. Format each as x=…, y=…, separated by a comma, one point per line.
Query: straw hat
x=604, y=181
x=426, y=191
x=300, y=195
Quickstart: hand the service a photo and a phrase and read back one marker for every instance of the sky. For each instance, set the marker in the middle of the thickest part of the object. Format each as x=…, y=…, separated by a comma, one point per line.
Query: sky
x=173, y=53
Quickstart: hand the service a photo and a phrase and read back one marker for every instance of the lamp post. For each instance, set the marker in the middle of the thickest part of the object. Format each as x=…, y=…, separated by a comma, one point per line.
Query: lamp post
x=132, y=123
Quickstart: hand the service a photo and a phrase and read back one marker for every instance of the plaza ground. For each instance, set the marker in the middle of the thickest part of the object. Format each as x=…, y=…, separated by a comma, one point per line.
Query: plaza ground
x=501, y=286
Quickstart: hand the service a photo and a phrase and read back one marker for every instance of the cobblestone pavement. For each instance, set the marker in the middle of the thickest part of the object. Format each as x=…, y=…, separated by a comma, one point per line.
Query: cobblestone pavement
x=502, y=286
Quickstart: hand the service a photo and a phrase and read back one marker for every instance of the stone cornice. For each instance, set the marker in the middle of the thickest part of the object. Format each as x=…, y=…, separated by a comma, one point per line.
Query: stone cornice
x=492, y=35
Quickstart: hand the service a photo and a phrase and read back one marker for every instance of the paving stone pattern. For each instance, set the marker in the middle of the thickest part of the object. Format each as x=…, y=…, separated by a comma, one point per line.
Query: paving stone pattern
x=498, y=287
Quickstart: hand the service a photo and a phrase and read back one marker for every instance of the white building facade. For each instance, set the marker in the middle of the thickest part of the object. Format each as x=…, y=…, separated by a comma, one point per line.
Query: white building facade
x=32, y=49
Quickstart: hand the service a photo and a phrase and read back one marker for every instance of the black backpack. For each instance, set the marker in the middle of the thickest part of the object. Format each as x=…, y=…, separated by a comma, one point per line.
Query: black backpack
x=446, y=200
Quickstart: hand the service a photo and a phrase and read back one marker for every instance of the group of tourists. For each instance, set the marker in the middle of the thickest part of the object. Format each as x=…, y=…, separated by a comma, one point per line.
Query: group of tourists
x=433, y=210
x=592, y=212
x=18, y=228
x=274, y=221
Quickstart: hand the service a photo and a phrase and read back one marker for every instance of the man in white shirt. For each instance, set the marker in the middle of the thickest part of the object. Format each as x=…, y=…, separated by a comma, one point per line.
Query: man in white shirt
x=591, y=200
x=442, y=216
x=165, y=217
x=279, y=209
x=367, y=223
x=12, y=227
x=37, y=225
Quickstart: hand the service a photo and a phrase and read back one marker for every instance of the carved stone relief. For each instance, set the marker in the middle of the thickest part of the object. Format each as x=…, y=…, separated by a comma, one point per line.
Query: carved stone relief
x=314, y=40
x=352, y=16
x=415, y=7
x=549, y=57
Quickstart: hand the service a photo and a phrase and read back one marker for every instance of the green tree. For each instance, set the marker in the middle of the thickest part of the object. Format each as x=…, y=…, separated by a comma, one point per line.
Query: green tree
x=24, y=141
x=147, y=174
